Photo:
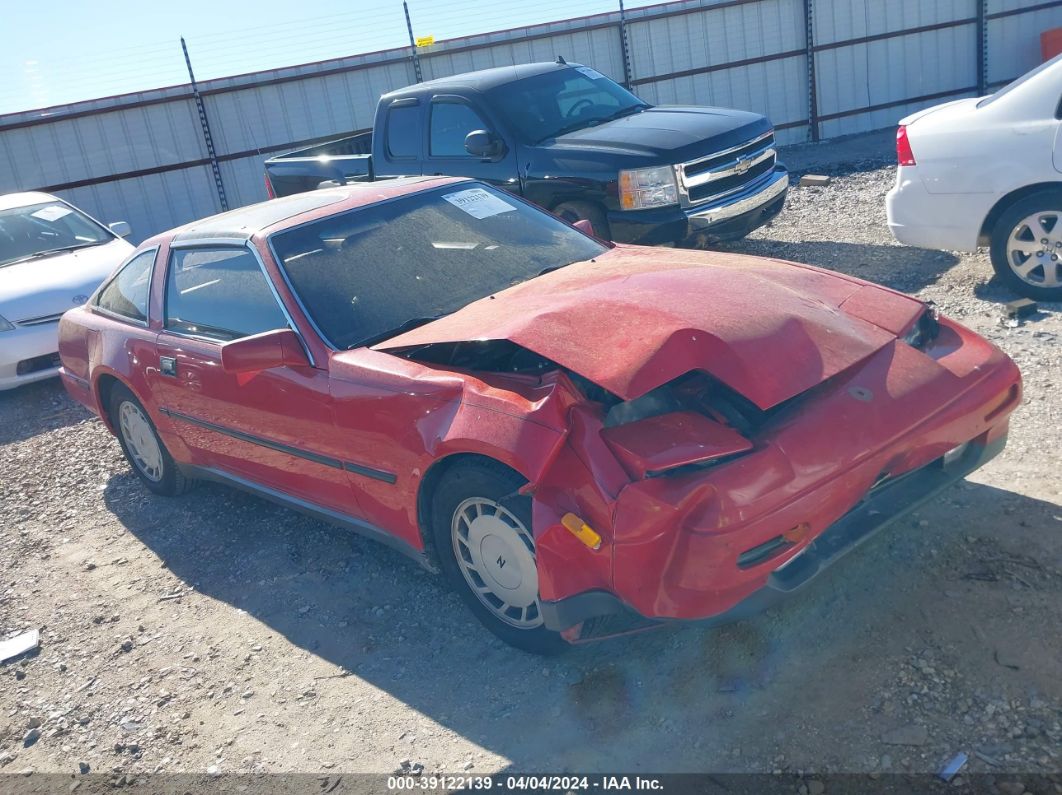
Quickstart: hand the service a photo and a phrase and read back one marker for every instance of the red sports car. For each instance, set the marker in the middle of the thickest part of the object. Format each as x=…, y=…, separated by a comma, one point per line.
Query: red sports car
x=587, y=439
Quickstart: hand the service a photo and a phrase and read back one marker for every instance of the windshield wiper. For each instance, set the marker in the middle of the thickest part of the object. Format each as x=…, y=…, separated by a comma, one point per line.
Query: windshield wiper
x=408, y=325
x=50, y=251
x=619, y=114
x=584, y=123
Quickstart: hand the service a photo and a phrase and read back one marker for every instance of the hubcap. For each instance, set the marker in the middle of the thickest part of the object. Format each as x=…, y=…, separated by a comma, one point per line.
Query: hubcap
x=140, y=441
x=1033, y=249
x=496, y=555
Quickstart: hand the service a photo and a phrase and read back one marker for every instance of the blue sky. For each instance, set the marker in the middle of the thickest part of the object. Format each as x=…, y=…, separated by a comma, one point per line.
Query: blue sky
x=70, y=50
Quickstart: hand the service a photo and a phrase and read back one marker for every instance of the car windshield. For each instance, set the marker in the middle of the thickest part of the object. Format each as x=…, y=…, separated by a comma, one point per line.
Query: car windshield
x=1025, y=78
x=368, y=274
x=36, y=231
x=553, y=103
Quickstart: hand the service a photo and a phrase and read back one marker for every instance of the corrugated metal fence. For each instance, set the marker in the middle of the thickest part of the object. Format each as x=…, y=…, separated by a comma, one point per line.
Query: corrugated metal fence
x=817, y=68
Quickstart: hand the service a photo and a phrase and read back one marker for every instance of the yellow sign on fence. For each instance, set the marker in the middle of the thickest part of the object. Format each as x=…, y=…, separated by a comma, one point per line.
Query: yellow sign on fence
x=425, y=41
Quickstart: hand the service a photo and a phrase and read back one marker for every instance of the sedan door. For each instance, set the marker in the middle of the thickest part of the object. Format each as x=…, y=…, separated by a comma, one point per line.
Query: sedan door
x=273, y=427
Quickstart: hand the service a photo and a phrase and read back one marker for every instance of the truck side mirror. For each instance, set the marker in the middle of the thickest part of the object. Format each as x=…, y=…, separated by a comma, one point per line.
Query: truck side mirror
x=481, y=143
x=120, y=228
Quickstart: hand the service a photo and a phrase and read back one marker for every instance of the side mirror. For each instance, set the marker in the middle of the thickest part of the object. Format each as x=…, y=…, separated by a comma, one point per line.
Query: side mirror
x=585, y=227
x=481, y=143
x=121, y=228
x=280, y=348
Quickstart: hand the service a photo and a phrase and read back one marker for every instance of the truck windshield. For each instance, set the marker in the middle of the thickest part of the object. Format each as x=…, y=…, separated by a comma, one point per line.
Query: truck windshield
x=37, y=231
x=553, y=103
x=368, y=274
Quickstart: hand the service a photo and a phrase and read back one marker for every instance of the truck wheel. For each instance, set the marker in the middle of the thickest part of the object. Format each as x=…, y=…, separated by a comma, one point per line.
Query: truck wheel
x=143, y=448
x=1026, y=246
x=585, y=211
x=482, y=532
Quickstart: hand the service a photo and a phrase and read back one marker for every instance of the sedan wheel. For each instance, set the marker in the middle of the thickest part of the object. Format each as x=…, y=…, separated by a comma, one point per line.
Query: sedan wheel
x=1027, y=246
x=496, y=555
x=139, y=438
x=143, y=448
x=481, y=529
x=1034, y=249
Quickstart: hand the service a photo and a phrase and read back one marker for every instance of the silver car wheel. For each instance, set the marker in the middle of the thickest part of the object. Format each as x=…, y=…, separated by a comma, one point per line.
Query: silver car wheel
x=1034, y=249
x=496, y=556
x=140, y=441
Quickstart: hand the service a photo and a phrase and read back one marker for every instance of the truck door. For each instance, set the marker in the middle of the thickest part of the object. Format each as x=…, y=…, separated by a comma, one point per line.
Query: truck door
x=403, y=137
x=450, y=119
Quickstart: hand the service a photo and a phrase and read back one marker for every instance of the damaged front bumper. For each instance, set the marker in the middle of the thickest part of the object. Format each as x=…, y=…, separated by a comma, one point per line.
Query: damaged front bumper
x=594, y=614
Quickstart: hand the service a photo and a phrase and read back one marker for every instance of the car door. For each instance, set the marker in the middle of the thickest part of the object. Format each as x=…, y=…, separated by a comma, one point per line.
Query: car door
x=450, y=119
x=274, y=427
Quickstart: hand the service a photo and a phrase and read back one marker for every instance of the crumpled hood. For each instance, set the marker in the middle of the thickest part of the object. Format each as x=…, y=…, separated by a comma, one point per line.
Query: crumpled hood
x=636, y=318
x=47, y=286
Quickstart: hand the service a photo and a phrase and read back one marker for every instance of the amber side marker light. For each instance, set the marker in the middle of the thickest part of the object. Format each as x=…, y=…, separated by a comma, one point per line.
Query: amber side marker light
x=581, y=530
x=794, y=535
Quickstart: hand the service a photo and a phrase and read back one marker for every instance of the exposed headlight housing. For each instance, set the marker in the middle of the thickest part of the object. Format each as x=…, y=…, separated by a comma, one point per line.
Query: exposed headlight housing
x=642, y=188
x=924, y=330
x=5, y=324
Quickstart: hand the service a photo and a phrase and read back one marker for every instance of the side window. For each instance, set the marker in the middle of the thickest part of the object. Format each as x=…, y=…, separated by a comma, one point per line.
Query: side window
x=127, y=293
x=450, y=123
x=220, y=293
x=403, y=133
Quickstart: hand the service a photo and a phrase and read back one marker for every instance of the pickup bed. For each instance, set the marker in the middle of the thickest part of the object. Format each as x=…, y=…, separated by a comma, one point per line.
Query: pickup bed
x=568, y=139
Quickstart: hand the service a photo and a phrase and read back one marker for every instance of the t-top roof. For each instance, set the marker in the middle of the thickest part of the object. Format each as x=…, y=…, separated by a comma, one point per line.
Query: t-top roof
x=244, y=222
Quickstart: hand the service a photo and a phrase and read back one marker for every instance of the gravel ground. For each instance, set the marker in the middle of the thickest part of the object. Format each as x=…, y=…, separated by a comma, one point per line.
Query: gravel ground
x=218, y=633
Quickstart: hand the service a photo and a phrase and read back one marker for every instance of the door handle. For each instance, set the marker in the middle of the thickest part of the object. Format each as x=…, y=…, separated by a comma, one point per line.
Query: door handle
x=168, y=366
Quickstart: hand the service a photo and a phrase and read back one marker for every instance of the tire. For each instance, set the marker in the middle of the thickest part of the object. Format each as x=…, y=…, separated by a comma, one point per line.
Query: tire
x=476, y=507
x=1021, y=258
x=144, y=450
x=585, y=211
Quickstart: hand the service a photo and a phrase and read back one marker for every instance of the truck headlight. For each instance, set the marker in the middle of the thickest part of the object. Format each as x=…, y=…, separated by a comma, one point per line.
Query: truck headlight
x=640, y=188
x=6, y=325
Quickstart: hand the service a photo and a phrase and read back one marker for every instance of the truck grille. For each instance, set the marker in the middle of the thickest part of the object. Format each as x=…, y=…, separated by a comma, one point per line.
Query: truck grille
x=726, y=172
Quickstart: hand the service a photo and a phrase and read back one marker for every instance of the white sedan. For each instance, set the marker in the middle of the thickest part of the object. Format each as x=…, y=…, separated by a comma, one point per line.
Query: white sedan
x=52, y=258
x=988, y=172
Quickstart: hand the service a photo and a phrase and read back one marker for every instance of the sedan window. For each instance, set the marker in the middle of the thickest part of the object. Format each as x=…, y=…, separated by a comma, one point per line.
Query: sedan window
x=367, y=274
x=127, y=292
x=221, y=294
x=37, y=231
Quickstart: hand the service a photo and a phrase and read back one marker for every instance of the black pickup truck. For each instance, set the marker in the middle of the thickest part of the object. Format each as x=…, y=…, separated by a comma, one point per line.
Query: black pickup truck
x=568, y=139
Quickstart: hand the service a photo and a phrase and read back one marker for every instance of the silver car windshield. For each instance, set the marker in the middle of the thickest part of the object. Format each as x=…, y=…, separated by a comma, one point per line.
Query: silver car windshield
x=37, y=231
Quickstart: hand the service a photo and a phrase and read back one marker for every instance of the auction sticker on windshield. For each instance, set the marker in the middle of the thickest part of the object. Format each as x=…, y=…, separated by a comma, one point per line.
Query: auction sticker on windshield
x=478, y=203
x=593, y=74
x=53, y=212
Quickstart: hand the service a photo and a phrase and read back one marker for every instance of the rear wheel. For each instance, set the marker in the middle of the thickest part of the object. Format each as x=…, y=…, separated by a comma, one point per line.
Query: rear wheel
x=1027, y=246
x=143, y=448
x=585, y=211
x=482, y=533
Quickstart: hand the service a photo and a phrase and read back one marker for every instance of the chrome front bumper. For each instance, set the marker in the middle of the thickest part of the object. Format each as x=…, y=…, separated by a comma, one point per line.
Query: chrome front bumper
x=755, y=196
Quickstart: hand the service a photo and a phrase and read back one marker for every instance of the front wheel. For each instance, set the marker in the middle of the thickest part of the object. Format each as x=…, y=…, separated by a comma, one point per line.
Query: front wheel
x=1027, y=246
x=585, y=211
x=482, y=532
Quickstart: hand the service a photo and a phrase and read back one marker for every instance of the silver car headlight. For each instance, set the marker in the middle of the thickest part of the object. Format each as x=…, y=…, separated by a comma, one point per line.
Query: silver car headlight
x=641, y=188
x=5, y=324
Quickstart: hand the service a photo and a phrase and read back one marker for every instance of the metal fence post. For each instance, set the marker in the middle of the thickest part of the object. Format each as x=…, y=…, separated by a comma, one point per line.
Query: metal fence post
x=205, y=124
x=982, y=47
x=412, y=44
x=809, y=49
x=625, y=45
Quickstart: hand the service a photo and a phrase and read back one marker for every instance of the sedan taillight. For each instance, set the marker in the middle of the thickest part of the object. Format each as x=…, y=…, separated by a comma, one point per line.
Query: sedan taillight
x=269, y=188
x=904, y=155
